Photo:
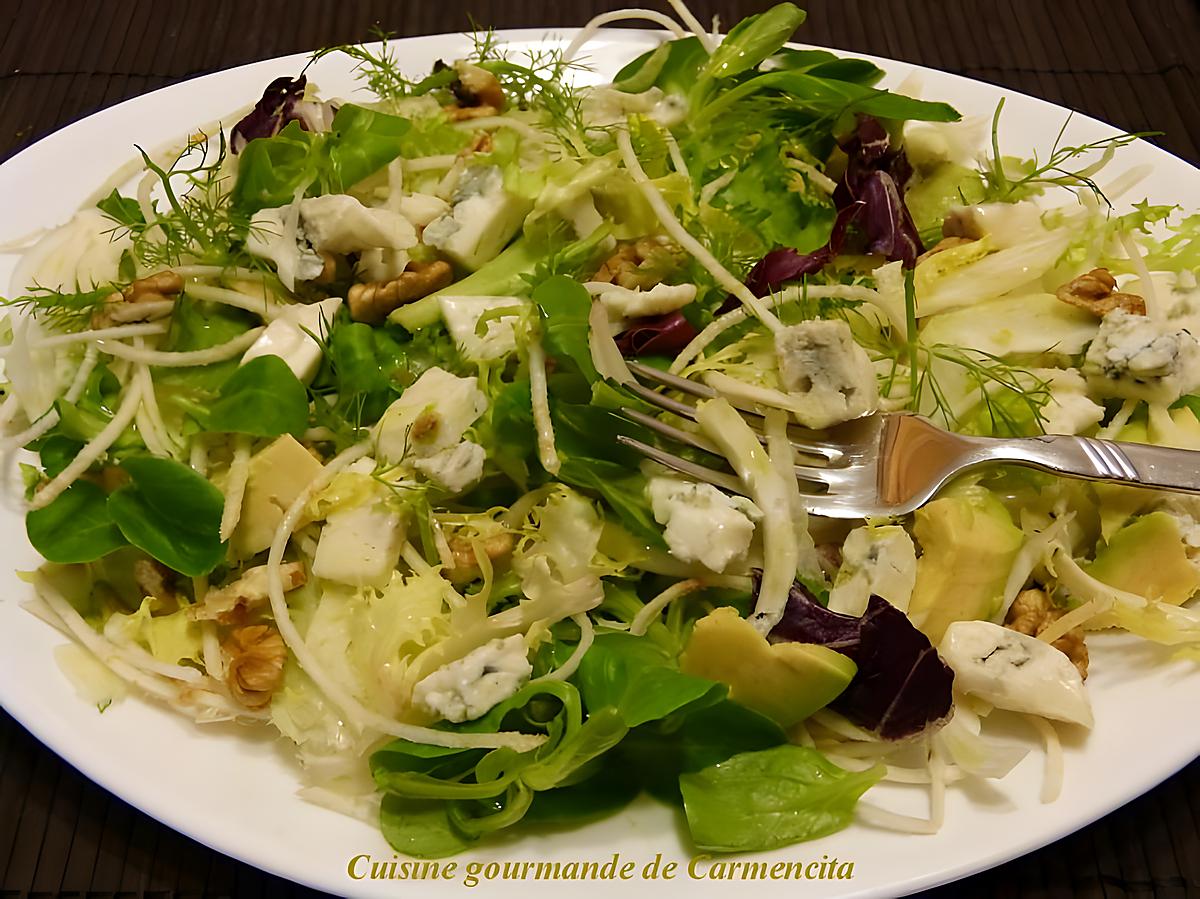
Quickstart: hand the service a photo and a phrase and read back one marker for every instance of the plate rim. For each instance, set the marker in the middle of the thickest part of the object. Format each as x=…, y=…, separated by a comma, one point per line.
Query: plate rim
x=162, y=812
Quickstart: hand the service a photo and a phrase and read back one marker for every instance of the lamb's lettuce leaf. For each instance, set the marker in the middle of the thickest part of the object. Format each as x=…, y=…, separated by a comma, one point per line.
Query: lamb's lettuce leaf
x=771, y=798
x=359, y=143
x=170, y=512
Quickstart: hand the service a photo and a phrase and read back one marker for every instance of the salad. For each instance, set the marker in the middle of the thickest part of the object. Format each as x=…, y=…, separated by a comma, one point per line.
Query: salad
x=322, y=417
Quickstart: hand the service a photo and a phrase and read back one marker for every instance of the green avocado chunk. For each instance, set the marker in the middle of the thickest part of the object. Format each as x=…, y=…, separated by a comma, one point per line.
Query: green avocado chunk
x=787, y=682
x=1148, y=557
x=968, y=544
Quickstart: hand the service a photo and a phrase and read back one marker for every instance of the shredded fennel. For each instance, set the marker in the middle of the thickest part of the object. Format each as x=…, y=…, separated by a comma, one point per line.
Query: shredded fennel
x=235, y=485
x=588, y=31
x=184, y=358
x=654, y=607
x=781, y=546
x=683, y=237
x=93, y=450
x=547, y=453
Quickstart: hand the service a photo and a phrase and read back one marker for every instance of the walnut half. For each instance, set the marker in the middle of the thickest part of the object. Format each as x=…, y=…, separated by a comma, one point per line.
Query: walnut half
x=156, y=579
x=372, y=302
x=255, y=670
x=495, y=547
x=1032, y=612
x=641, y=264
x=1096, y=292
x=946, y=243
x=232, y=603
x=122, y=308
x=477, y=87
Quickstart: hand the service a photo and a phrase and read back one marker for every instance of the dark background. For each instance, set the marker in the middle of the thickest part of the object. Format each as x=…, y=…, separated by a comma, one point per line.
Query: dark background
x=1133, y=63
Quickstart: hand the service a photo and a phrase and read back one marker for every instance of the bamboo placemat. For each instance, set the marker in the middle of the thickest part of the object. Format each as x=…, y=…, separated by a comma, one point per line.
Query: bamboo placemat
x=1130, y=62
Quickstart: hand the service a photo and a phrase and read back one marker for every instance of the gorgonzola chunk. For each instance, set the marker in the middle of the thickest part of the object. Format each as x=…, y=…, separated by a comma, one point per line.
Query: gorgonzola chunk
x=702, y=524
x=470, y=687
x=1015, y=671
x=1137, y=358
x=826, y=372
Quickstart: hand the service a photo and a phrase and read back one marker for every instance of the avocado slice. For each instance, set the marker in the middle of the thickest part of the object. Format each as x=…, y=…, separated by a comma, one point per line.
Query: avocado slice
x=1147, y=557
x=968, y=544
x=787, y=682
x=278, y=473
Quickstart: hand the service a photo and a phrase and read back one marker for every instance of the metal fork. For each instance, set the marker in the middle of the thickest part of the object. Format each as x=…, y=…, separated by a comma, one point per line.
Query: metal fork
x=891, y=463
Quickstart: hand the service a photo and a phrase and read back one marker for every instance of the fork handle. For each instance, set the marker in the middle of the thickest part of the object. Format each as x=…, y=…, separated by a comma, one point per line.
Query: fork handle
x=1103, y=460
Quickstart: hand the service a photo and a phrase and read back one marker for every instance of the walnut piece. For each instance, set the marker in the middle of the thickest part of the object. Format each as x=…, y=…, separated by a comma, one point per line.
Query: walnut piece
x=829, y=557
x=1096, y=292
x=961, y=221
x=465, y=113
x=122, y=308
x=480, y=143
x=255, y=670
x=231, y=603
x=1032, y=612
x=946, y=243
x=372, y=302
x=155, y=579
x=495, y=547
x=328, y=268
x=641, y=264
x=477, y=87
x=425, y=425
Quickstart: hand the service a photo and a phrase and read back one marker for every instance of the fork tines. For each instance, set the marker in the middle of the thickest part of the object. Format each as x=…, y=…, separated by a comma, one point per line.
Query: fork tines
x=820, y=475
x=807, y=443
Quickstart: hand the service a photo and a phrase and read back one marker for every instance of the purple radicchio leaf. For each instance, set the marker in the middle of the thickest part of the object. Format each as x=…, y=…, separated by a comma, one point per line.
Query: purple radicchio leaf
x=278, y=106
x=786, y=264
x=902, y=685
x=871, y=194
x=659, y=335
x=878, y=175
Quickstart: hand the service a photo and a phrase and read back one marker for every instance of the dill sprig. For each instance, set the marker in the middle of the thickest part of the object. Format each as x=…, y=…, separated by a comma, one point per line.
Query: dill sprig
x=538, y=80
x=1030, y=176
x=380, y=70
x=198, y=222
x=535, y=80
x=1011, y=397
x=61, y=310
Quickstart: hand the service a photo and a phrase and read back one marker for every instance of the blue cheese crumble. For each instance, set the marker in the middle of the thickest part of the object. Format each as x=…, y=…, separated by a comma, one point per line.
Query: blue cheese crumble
x=1134, y=357
x=470, y=687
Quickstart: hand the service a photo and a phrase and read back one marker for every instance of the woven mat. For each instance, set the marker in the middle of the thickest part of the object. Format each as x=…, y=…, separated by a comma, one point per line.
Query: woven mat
x=1130, y=62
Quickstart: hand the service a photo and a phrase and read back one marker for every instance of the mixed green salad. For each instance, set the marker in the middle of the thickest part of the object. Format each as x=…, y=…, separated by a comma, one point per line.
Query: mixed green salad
x=325, y=413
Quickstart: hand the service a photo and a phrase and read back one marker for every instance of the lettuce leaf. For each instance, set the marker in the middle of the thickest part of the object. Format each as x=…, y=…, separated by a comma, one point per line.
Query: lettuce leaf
x=902, y=686
x=360, y=142
x=772, y=798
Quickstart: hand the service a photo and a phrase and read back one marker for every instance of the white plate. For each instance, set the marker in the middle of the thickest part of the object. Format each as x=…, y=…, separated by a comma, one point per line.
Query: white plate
x=236, y=792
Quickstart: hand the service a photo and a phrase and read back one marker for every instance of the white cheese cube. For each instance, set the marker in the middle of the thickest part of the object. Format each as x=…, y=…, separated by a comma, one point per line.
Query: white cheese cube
x=1135, y=357
x=470, y=687
x=454, y=469
x=621, y=302
x=702, y=524
x=826, y=372
x=462, y=314
x=880, y=561
x=291, y=337
x=484, y=219
x=430, y=416
x=1015, y=671
x=338, y=223
x=360, y=546
x=421, y=209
